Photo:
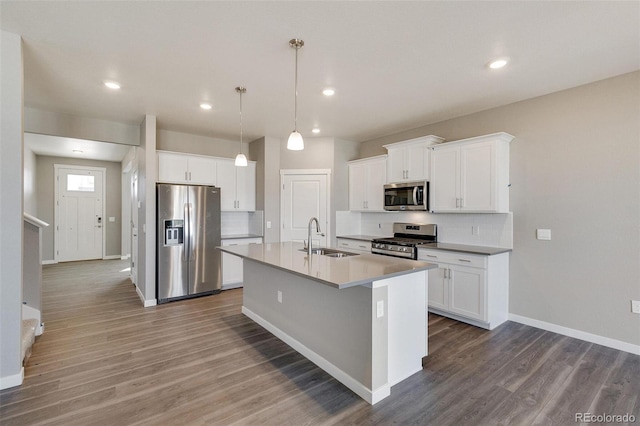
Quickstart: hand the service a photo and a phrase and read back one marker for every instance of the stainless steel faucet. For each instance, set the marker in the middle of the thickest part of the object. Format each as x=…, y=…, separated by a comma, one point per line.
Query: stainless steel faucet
x=309, y=233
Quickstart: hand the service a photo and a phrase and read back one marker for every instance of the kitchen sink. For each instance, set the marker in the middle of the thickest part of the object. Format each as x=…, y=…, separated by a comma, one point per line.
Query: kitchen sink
x=331, y=252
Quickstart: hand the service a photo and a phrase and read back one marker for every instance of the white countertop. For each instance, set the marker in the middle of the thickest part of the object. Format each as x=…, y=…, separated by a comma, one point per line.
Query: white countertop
x=335, y=272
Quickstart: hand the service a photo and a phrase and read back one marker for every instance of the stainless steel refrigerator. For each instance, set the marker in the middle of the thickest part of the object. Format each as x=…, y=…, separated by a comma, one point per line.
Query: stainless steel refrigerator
x=187, y=262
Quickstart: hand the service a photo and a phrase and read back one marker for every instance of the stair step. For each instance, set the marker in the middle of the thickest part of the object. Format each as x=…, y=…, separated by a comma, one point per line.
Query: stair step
x=28, y=337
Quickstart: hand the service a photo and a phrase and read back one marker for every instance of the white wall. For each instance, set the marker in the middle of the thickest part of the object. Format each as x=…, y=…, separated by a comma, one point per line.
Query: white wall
x=168, y=140
x=11, y=208
x=575, y=169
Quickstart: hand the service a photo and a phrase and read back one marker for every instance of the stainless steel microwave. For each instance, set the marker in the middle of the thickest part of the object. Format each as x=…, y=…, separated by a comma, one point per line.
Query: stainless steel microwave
x=406, y=196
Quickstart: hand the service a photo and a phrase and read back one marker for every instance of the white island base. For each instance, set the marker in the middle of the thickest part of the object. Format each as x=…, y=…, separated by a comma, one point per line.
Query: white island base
x=368, y=336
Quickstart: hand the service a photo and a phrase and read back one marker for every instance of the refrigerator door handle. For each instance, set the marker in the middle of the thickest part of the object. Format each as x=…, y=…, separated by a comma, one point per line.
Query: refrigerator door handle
x=191, y=222
x=187, y=239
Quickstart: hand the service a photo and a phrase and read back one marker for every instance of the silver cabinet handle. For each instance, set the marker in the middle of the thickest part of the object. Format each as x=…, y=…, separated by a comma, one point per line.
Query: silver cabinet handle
x=363, y=247
x=445, y=273
x=186, y=177
x=189, y=175
x=464, y=260
x=432, y=255
x=461, y=202
x=457, y=202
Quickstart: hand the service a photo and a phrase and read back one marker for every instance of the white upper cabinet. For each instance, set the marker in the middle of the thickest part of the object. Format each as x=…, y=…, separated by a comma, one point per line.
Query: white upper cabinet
x=366, y=183
x=471, y=175
x=186, y=169
x=237, y=186
x=409, y=160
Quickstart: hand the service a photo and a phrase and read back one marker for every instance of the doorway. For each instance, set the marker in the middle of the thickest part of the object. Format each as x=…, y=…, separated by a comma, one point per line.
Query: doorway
x=79, y=213
x=305, y=194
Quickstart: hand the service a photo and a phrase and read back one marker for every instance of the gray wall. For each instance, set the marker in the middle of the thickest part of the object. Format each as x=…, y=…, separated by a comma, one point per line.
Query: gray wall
x=575, y=168
x=317, y=154
x=266, y=152
x=29, y=175
x=45, y=190
x=195, y=144
x=73, y=126
x=146, y=164
x=11, y=205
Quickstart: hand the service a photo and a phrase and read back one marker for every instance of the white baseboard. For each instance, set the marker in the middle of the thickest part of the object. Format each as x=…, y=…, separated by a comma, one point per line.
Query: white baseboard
x=582, y=335
x=112, y=257
x=12, y=381
x=125, y=257
x=145, y=302
x=371, y=396
x=28, y=312
x=49, y=262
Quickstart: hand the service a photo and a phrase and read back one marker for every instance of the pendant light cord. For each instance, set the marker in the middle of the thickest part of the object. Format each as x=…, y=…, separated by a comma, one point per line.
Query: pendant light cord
x=295, y=96
x=240, y=121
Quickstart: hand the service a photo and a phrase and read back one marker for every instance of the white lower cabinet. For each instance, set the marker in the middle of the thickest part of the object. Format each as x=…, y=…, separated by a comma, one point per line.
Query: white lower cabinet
x=232, y=276
x=469, y=287
x=354, y=245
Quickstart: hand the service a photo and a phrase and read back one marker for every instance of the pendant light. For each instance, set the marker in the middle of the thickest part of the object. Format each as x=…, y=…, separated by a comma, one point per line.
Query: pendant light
x=295, y=141
x=241, y=160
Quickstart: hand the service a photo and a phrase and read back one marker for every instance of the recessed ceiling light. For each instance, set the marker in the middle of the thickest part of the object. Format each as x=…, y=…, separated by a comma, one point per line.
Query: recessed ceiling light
x=315, y=130
x=205, y=106
x=112, y=85
x=498, y=63
x=328, y=92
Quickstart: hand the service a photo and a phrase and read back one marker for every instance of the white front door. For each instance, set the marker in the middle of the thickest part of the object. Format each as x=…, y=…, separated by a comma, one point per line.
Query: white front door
x=79, y=213
x=304, y=195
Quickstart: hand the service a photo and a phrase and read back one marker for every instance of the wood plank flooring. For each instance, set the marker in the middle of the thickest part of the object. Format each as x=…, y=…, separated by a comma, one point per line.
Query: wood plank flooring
x=104, y=359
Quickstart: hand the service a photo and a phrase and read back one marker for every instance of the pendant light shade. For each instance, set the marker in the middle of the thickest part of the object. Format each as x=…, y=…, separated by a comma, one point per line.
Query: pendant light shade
x=241, y=159
x=295, y=142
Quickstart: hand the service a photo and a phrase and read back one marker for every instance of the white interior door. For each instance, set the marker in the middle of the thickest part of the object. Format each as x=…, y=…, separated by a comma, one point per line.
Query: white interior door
x=304, y=195
x=134, y=225
x=79, y=213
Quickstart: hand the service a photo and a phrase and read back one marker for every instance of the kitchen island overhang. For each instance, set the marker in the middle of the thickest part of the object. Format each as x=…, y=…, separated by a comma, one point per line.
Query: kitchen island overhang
x=362, y=319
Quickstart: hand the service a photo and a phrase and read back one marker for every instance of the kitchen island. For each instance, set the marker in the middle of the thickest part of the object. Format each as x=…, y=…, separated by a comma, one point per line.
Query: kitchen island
x=361, y=318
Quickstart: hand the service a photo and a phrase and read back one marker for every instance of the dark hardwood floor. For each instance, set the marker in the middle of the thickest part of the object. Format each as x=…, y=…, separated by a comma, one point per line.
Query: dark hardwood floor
x=104, y=359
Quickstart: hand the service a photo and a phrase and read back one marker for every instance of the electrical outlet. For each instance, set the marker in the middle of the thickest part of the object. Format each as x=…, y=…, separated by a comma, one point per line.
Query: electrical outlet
x=475, y=230
x=279, y=296
x=268, y=224
x=635, y=306
x=112, y=219
x=380, y=309
x=379, y=226
x=543, y=234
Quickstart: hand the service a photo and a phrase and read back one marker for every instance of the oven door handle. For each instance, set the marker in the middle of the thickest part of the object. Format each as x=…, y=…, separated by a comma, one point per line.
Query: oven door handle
x=415, y=195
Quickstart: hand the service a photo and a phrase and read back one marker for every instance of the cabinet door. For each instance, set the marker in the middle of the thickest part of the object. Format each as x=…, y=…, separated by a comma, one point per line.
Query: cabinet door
x=246, y=187
x=172, y=168
x=226, y=179
x=395, y=165
x=467, y=287
x=202, y=170
x=414, y=159
x=376, y=177
x=478, y=184
x=357, y=184
x=445, y=179
x=438, y=294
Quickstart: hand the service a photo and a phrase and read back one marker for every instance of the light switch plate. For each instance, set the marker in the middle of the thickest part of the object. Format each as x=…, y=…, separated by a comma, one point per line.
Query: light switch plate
x=112, y=219
x=279, y=296
x=635, y=306
x=543, y=234
x=380, y=309
x=268, y=224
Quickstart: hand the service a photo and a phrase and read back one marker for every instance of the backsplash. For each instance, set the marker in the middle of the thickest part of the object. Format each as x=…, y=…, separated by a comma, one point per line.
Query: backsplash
x=495, y=230
x=242, y=223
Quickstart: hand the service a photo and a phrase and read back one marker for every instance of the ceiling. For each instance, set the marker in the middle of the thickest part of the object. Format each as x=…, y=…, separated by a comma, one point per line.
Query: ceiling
x=394, y=65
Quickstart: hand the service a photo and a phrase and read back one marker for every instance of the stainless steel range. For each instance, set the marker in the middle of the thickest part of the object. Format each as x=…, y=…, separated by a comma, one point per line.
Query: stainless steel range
x=407, y=238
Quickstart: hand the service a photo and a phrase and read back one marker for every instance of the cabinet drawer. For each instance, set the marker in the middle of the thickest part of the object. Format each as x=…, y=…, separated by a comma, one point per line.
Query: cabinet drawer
x=357, y=245
x=453, y=258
